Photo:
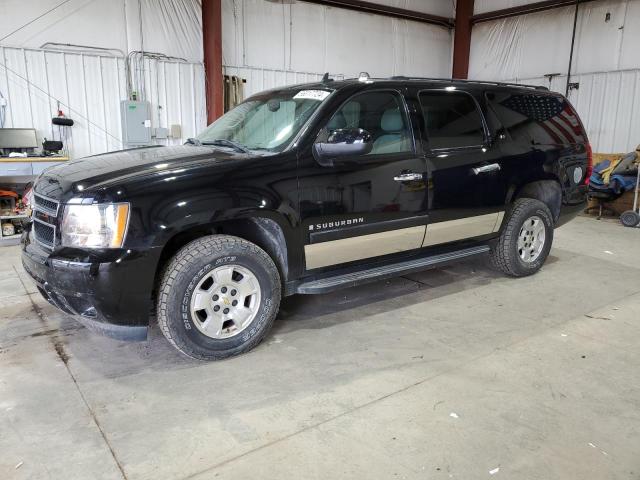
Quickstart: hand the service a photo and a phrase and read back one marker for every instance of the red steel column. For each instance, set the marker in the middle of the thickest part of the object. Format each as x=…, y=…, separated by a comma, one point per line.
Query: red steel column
x=212, y=42
x=462, y=39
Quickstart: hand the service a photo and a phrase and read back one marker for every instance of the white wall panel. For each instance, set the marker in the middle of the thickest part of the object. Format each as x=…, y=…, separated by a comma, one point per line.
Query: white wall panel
x=444, y=8
x=90, y=88
x=524, y=46
x=483, y=6
x=539, y=43
x=304, y=37
x=172, y=27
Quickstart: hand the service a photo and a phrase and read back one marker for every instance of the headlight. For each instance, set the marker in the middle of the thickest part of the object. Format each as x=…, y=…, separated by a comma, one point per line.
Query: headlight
x=95, y=226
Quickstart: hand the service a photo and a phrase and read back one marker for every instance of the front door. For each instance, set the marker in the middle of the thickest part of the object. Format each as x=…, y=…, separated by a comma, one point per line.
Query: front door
x=370, y=206
x=466, y=182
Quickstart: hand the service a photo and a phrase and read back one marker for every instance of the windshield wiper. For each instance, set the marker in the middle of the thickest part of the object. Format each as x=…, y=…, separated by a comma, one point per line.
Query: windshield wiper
x=194, y=141
x=228, y=143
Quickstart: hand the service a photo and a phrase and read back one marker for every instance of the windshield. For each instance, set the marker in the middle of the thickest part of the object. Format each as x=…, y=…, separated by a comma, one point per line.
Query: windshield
x=264, y=122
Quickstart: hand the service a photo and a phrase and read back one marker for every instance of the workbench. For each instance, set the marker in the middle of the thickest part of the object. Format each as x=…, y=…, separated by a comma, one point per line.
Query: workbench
x=27, y=166
x=17, y=170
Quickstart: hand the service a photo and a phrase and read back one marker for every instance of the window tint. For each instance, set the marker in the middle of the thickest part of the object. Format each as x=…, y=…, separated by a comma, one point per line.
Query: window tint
x=451, y=119
x=382, y=115
x=537, y=117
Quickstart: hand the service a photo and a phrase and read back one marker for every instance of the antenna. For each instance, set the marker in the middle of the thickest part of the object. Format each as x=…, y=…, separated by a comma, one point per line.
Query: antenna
x=326, y=79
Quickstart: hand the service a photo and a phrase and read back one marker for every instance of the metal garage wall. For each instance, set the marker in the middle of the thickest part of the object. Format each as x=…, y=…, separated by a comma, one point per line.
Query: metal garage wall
x=608, y=104
x=304, y=37
x=483, y=6
x=90, y=88
x=606, y=61
x=90, y=85
x=172, y=27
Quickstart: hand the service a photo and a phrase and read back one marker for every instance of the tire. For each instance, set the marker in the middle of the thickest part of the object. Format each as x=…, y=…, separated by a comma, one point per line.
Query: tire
x=517, y=252
x=223, y=268
x=630, y=218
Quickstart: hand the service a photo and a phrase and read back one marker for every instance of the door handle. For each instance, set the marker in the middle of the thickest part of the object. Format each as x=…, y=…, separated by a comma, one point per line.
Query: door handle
x=493, y=167
x=408, y=177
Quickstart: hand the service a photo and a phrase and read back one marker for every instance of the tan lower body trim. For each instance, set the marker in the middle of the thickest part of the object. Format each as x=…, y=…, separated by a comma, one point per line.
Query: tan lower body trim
x=452, y=230
x=364, y=246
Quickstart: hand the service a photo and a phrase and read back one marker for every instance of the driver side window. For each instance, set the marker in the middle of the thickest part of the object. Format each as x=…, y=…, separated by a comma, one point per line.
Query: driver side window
x=382, y=115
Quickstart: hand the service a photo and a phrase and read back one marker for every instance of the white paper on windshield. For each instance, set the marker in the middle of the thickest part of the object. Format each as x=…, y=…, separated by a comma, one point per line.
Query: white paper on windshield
x=312, y=94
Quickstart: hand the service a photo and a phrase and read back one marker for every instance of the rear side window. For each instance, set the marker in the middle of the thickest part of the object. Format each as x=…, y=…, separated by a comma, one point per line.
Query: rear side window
x=539, y=118
x=451, y=120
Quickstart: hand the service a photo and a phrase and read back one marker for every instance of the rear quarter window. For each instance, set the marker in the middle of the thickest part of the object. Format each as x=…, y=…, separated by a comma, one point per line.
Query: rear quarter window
x=539, y=118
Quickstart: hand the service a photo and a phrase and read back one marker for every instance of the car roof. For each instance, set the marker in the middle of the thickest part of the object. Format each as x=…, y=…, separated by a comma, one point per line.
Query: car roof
x=422, y=81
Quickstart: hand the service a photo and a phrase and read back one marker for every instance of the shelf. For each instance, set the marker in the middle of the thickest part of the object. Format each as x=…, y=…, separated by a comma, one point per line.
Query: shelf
x=12, y=217
x=33, y=159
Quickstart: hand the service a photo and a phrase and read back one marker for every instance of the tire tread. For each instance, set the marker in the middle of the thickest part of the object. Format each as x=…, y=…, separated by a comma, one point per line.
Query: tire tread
x=188, y=256
x=503, y=257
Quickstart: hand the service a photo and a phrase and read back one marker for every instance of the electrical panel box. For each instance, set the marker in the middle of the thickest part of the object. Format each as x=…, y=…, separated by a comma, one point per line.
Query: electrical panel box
x=161, y=133
x=136, y=123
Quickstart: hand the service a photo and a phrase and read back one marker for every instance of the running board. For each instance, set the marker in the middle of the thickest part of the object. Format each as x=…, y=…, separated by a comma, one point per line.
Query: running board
x=352, y=279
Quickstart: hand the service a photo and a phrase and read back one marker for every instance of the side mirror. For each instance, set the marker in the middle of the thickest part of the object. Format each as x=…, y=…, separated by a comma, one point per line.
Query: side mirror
x=342, y=143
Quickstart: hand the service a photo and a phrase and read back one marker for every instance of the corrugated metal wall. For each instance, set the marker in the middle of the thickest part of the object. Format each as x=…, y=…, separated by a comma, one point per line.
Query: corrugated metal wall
x=305, y=37
x=608, y=104
x=90, y=88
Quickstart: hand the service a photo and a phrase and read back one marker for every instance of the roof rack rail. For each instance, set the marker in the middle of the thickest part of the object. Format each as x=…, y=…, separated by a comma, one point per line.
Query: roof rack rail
x=482, y=82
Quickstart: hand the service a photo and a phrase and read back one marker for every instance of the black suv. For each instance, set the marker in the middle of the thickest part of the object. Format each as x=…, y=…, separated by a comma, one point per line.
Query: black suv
x=305, y=189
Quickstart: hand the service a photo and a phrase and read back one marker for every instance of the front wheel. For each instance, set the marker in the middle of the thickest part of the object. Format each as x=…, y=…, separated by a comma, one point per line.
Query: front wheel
x=218, y=297
x=525, y=240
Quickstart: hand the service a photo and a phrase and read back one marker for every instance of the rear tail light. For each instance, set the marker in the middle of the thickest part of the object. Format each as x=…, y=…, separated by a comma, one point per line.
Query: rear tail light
x=589, y=164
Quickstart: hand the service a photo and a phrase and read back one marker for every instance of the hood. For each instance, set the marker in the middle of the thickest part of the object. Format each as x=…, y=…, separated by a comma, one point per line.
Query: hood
x=100, y=171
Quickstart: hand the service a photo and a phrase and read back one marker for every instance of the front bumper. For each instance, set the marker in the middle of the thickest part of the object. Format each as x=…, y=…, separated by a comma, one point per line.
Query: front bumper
x=109, y=291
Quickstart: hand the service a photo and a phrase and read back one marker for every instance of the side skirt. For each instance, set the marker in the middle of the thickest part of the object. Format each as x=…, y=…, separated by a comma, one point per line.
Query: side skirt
x=368, y=275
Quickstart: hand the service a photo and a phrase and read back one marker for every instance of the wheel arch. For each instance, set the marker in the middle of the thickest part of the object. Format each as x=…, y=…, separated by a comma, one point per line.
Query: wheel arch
x=264, y=232
x=548, y=191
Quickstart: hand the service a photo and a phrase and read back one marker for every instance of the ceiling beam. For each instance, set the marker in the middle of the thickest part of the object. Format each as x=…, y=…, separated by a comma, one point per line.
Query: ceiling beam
x=524, y=9
x=387, y=11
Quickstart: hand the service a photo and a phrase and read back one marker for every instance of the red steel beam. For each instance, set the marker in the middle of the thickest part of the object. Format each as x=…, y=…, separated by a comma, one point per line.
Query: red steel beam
x=387, y=11
x=462, y=39
x=524, y=9
x=212, y=43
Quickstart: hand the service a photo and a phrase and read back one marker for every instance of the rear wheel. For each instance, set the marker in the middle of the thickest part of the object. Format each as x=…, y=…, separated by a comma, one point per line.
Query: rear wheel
x=218, y=297
x=525, y=240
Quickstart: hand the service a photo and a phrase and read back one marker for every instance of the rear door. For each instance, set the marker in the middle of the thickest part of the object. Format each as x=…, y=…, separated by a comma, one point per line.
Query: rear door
x=466, y=186
x=373, y=205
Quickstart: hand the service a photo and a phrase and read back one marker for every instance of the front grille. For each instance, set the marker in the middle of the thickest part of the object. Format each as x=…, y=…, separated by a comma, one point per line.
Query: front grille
x=46, y=205
x=44, y=233
x=45, y=213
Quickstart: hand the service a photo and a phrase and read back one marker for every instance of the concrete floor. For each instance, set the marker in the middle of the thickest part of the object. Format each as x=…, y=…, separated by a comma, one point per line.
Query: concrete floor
x=453, y=373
